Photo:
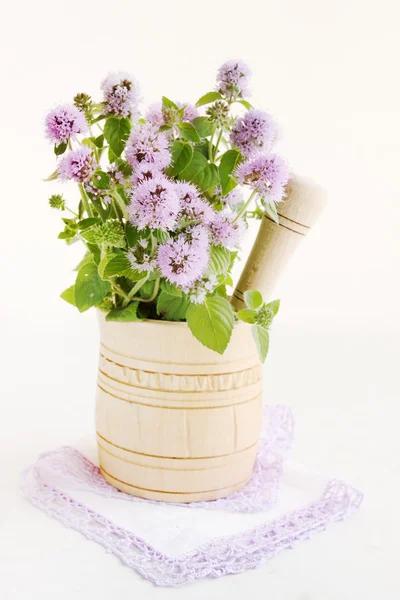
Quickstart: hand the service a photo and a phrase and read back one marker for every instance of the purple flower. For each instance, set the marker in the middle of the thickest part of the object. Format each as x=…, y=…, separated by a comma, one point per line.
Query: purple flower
x=147, y=145
x=121, y=94
x=233, y=199
x=254, y=132
x=198, y=292
x=233, y=77
x=159, y=115
x=64, y=123
x=225, y=231
x=78, y=165
x=115, y=174
x=139, y=258
x=193, y=207
x=154, y=204
x=155, y=114
x=189, y=113
x=144, y=171
x=197, y=236
x=182, y=262
x=267, y=174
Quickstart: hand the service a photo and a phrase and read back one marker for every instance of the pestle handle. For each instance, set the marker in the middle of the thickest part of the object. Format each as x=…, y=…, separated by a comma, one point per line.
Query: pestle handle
x=275, y=244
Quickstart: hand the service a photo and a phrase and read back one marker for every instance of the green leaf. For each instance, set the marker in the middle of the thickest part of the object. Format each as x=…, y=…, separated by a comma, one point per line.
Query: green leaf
x=204, y=148
x=147, y=288
x=117, y=265
x=247, y=315
x=208, y=98
x=168, y=103
x=274, y=306
x=101, y=180
x=182, y=153
x=88, y=258
x=70, y=230
x=261, y=338
x=245, y=103
x=271, y=211
x=99, y=141
x=170, y=288
x=212, y=322
x=203, y=126
x=132, y=235
x=103, y=263
x=200, y=172
x=188, y=132
x=219, y=262
x=116, y=132
x=53, y=176
x=112, y=158
x=89, y=142
x=127, y=314
x=69, y=295
x=228, y=280
x=90, y=289
x=229, y=161
x=253, y=299
x=161, y=235
x=60, y=149
x=124, y=167
x=95, y=251
x=89, y=222
x=172, y=308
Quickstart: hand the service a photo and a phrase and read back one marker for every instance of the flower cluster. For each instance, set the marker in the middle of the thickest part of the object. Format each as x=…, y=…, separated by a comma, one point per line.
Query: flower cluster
x=154, y=204
x=162, y=205
x=121, y=94
x=233, y=78
x=147, y=146
x=193, y=206
x=183, y=260
x=266, y=174
x=253, y=132
x=78, y=165
x=64, y=123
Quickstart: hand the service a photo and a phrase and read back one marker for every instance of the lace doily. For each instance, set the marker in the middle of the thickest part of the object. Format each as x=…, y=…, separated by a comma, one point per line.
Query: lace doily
x=60, y=480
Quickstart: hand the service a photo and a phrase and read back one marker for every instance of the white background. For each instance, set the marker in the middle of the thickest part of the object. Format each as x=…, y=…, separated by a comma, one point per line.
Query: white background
x=329, y=72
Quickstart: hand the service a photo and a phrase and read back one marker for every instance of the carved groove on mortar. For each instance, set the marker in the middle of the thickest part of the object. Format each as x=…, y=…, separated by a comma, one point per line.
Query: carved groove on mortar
x=157, y=381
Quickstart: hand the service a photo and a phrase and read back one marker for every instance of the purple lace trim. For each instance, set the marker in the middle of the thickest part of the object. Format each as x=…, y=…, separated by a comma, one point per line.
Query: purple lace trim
x=218, y=557
x=260, y=493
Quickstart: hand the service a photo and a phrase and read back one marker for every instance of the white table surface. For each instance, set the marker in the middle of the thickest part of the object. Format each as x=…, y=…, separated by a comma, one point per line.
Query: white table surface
x=343, y=388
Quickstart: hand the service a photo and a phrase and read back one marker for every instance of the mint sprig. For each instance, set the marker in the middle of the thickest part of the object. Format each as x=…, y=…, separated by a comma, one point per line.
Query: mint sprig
x=260, y=315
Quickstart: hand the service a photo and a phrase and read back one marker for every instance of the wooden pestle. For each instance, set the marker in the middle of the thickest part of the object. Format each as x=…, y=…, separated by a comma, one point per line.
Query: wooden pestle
x=275, y=244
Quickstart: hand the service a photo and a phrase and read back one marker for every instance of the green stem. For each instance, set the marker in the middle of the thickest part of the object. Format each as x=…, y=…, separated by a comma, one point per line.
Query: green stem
x=119, y=289
x=244, y=208
x=210, y=146
x=135, y=289
x=72, y=211
x=85, y=200
x=217, y=144
x=117, y=197
x=152, y=297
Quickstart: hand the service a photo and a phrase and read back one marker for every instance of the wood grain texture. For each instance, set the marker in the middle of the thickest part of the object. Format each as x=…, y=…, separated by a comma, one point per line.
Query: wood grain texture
x=275, y=244
x=176, y=421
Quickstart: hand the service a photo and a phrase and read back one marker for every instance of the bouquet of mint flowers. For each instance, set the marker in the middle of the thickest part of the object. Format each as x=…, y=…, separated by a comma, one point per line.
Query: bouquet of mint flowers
x=161, y=210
